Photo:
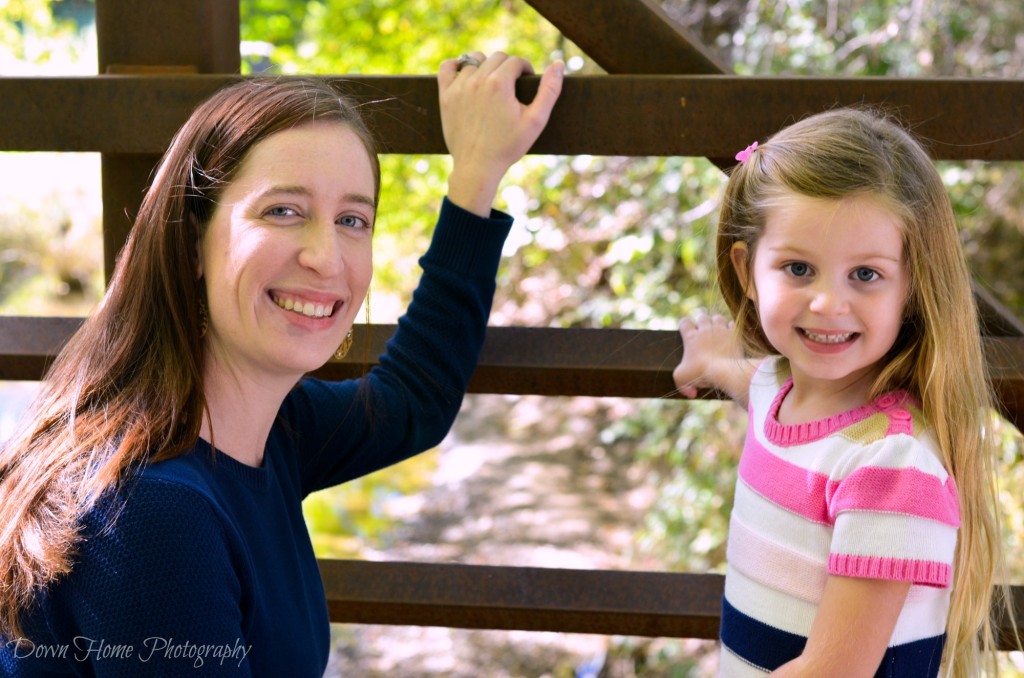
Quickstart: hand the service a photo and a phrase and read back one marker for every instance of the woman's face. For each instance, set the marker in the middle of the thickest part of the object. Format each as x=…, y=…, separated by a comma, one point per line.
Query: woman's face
x=287, y=255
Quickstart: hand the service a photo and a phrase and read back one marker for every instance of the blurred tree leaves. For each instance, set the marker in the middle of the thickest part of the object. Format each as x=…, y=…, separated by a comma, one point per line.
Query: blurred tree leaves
x=50, y=243
x=349, y=520
x=38, y=32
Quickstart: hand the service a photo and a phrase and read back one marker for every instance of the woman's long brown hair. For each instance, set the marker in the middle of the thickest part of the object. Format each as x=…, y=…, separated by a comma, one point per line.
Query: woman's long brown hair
x=127, y=389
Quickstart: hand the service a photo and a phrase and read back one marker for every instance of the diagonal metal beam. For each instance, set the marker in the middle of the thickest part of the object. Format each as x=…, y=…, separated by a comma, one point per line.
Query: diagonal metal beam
x=630, y=36
x=634, y=37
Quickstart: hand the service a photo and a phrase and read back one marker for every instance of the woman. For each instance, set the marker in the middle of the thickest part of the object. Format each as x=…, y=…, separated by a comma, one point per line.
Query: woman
x=151, y=503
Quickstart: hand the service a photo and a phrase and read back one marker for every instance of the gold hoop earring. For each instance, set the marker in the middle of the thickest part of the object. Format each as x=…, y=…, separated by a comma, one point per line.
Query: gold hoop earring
x=346, y=343
x=346, y=346
x=204, y=318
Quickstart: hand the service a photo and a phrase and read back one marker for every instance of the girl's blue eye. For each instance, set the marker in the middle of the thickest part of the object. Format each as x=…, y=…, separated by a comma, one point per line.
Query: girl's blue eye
x=798, y=268
x=865, y=275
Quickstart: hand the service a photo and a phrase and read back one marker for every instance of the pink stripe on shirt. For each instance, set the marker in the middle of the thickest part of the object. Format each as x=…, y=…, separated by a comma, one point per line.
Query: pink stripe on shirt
x=816, y=497
x=923, y=572
x=895, y=490
x=791, y=487
x=771, y=564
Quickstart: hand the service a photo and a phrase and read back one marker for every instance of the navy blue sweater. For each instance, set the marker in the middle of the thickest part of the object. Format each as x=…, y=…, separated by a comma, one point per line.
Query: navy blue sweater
x=207, y=568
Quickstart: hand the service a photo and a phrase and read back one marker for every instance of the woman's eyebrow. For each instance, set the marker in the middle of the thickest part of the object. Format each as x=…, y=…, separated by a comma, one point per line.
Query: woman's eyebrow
x=283, y=189
x=288, y=189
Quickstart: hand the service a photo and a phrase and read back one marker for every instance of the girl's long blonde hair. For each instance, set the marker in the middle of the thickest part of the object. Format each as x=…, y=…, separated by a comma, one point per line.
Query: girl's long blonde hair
x=937, y=355
x=127, y=389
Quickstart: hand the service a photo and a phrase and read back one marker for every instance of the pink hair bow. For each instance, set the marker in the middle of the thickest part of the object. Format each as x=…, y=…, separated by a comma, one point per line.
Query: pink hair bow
x=744, y=155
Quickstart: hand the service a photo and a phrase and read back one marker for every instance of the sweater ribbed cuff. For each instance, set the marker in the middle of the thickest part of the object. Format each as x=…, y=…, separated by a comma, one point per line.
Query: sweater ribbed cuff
x=922, y=572
x=466, y=243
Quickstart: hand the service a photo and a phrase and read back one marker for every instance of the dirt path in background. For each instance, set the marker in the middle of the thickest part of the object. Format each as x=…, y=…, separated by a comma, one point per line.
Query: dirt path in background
x=514, y=487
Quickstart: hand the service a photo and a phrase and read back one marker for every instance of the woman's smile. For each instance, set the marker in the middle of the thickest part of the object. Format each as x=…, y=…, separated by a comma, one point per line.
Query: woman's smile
x=309, y=309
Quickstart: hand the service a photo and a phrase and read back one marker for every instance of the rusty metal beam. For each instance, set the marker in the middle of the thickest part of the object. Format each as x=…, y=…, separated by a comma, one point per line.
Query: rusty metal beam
x=628, y=603
x=524, y=598
x=634, y=37
x=515, y=360
x=996, y=319
x=709, y=116
x=637, y=36
x=29, y=345
x=630, y=36
x=540, y=361
x=200, y=34
x=197, y=36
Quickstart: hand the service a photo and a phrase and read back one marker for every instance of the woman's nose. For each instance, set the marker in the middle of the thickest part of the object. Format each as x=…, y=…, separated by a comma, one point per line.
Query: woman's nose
x=321, y=249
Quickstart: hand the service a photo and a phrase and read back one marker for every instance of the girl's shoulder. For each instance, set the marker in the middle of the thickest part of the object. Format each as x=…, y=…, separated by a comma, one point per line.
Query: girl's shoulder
x=770, y=376
x=891, y=416
x=894, y=436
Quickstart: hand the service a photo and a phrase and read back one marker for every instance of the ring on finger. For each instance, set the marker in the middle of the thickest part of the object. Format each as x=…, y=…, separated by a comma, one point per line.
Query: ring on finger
x=465, y=60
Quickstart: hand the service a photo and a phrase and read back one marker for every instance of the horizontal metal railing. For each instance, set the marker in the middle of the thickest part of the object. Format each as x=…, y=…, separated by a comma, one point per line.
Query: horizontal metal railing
x=638, y=115
x=609, y=602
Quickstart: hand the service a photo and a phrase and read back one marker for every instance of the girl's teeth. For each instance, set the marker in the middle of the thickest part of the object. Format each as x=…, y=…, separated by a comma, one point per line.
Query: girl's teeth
x=828, y=338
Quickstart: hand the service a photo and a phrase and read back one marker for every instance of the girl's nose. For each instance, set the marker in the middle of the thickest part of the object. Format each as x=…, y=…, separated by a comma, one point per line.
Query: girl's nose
x=829, y=299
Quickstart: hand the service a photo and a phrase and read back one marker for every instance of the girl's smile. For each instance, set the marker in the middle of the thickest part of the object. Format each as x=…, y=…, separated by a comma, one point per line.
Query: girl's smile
x=823, y=341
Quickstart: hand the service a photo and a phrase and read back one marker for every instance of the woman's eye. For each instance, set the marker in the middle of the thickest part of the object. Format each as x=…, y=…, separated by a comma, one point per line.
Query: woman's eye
x=865, y=275
x=352, y=221
x=281, y=211
x=798, y=268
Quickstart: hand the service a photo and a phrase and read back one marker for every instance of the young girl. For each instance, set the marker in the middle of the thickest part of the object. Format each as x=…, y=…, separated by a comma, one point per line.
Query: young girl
x=863, y=539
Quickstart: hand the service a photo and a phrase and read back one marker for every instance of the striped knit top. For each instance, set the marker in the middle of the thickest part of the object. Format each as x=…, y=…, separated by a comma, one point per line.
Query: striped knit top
x=859, y=494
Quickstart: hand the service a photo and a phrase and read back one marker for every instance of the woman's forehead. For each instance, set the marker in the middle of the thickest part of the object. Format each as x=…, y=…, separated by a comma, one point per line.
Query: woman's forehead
x=310, y=153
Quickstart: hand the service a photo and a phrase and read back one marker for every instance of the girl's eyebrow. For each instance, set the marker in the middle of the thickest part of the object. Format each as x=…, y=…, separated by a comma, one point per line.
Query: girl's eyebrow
x=798, y=251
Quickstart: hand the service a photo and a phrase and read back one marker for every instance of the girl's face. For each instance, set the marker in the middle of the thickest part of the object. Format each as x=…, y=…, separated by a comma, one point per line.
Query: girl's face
x=830, y=284
x=287, y=253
